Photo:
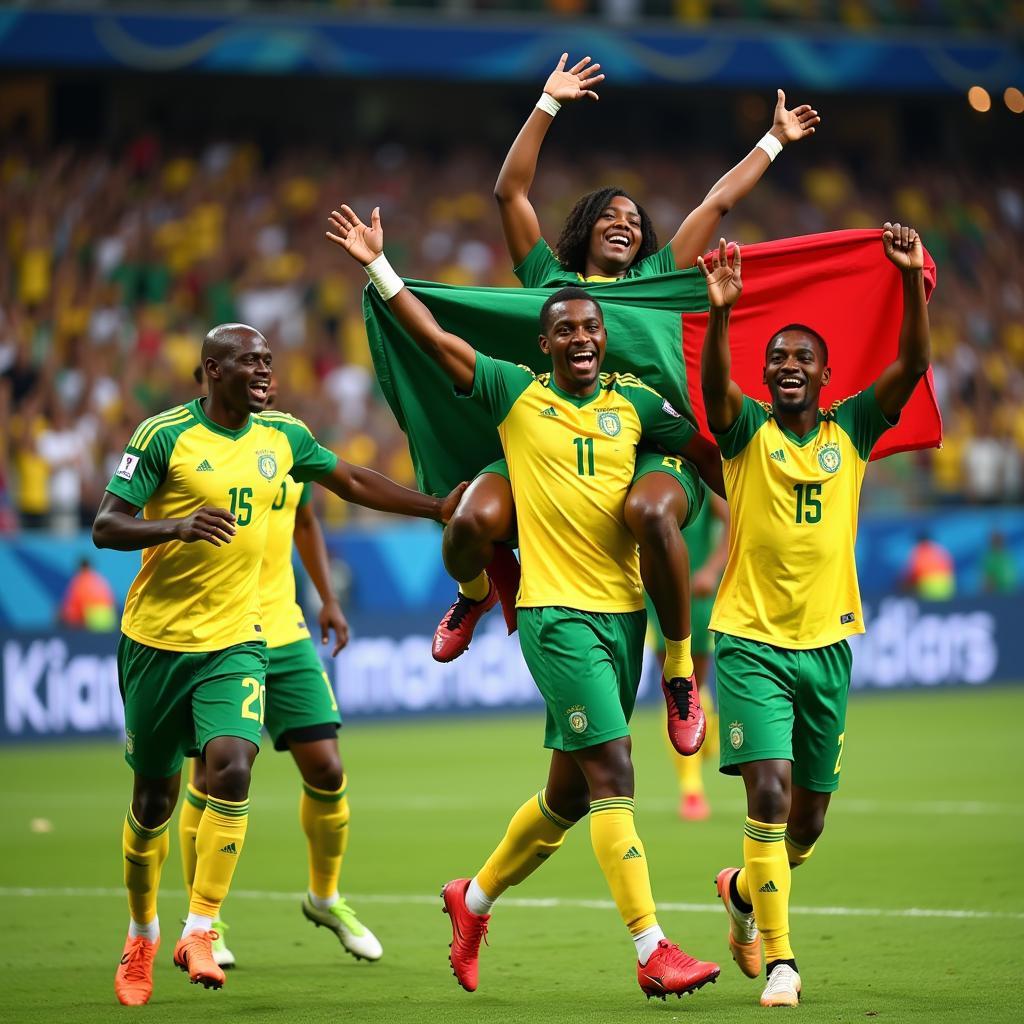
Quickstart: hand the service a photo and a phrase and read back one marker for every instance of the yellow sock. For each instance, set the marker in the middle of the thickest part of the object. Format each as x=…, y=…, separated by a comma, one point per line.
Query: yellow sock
x=768, y=883
x=678, y=660
x=189, y=816
x=797, y=854
x=324, y=815
x=621, y=855
x=145, y=850
x=534, y=834
x=219, y=841
x=477, y=589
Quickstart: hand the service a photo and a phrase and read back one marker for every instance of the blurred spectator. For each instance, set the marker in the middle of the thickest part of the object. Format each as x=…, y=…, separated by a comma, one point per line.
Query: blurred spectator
x=930, y=573
x=88, y=602
x=998, y=569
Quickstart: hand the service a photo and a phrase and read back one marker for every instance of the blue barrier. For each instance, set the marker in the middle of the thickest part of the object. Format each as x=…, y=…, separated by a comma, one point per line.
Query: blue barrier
x=733, y=55
x=62, y=684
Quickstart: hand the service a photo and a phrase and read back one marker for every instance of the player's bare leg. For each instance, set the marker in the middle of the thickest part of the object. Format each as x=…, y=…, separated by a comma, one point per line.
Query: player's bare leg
x=219, y=842
x=764, y=882
x=656, y=508
x=805, y=824
x=485, y=517
x=325, y=819
x=145, y=845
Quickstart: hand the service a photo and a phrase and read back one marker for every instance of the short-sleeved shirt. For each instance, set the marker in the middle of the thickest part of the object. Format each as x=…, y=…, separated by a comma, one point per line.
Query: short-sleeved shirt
x=541, y=269
x=571, y=462
x=791, y=576
x=198, y=597
x=282, y=619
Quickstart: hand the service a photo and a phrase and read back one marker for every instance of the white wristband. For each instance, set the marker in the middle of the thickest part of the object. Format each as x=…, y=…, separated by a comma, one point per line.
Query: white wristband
x=770, y=145
x=384, y=278
x=548, y=104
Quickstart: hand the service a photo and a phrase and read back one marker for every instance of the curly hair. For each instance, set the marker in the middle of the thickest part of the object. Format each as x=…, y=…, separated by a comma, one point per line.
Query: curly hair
x=574, y=241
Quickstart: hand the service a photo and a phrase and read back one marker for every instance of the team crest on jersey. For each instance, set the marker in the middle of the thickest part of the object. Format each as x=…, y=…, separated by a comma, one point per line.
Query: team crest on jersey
x=578, y=720
x=266, y=463
x=736, y=735
x=608, y=422
x=828, y=457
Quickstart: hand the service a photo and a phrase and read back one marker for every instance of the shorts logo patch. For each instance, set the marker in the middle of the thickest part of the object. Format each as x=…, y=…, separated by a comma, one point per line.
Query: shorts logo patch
x=266, y=463
x=608, y=422
x=129, y=742
x=736, y=735
x=848, y=617
x=829, y=458
x=578, y=720
x=126, y=468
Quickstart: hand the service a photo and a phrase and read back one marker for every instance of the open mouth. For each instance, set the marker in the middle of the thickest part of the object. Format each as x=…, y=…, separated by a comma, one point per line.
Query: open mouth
x=584, y=359
x=790, y=383
x=619, y=241
x=259, y=389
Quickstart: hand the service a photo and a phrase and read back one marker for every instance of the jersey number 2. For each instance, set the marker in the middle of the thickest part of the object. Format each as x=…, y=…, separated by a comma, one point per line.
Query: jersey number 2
x=241, y=506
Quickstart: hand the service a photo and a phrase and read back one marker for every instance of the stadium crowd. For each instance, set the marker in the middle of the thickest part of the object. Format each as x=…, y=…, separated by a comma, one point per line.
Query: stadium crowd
x=112, y=269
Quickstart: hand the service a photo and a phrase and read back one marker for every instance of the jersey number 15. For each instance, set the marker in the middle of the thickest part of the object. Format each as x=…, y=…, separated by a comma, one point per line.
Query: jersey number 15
x=808, y=503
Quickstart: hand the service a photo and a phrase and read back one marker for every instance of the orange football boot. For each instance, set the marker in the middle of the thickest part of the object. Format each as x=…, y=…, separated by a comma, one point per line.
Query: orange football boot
x=194, y=954
x=133, y=982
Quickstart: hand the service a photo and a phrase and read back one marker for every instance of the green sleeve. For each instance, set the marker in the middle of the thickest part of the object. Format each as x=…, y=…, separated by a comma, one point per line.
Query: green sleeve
x=751, y=418
x=541, y=268
x=660, y=262
x=141, y=471
x=311, y=461
x=862, y=419
x=305, y=496
x=660, y=423
x=497, y=384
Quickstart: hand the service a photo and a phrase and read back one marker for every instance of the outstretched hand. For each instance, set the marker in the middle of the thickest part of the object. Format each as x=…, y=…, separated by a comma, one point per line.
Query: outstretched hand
x=576, y=83
x=362, y=243
x=723, y=280
x=451, y=503
x=902, y=245
x=796, y=124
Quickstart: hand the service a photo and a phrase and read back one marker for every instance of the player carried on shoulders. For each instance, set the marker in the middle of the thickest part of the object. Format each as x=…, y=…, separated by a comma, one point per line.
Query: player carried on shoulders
x=789, y=597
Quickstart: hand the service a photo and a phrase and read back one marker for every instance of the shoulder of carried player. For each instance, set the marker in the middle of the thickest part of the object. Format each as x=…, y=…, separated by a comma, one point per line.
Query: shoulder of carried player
x=170, y=421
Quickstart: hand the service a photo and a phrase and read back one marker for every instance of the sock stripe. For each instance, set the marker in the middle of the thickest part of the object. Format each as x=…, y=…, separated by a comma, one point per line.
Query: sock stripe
x=325, y=796
x=228, y=808
x=555, y=819
x=141, y=831
x=798, y=846
x=612, y=803
x=196, y=798
x=764, y=832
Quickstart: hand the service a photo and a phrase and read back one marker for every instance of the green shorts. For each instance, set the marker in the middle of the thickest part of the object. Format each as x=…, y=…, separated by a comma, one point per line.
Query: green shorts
x=299, y=692
x=587, y=667
x=683, y=472
x=775, y=703
x=175, y=702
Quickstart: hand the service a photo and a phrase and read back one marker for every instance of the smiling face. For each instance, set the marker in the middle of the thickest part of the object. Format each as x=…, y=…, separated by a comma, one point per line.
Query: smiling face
x=575, y=339
x=795, y=371
x=615, y=237
x=241, y=373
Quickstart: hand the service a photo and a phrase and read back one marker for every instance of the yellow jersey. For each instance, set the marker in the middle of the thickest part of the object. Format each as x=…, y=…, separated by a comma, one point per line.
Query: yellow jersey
x=791, y=576
x=283, y=621
x=571, y=462
x=198, y=597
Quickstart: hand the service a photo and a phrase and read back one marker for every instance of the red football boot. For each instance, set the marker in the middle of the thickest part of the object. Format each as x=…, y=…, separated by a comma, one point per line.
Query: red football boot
x=670, y=971
x=467, y=931
x=686, y=722
x=455, y=630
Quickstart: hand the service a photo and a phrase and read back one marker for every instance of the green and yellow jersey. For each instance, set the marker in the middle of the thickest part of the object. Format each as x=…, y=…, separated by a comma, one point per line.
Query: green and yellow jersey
x=283, y=622
x=571, y=463
x=791, y=577
x=198, y=597
x=541, y=269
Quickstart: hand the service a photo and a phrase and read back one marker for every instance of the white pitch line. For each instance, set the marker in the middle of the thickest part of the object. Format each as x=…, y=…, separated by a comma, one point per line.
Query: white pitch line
x=557, y=903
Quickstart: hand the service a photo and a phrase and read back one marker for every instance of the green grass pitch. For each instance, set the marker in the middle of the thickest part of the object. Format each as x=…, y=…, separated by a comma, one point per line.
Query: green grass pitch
x=930, y=818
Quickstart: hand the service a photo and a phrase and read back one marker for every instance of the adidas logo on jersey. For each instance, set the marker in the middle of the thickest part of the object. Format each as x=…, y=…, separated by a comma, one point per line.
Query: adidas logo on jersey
x=204, y=467
x=632, y=853
x=230, y=848
x=768, y=886
x=549, y=411
x=778, y=455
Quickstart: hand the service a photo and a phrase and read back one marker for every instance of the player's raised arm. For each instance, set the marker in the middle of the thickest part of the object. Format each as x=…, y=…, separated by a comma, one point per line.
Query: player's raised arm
x=699, y=227
x=897, y=381
x=117, y=526
x=365, y=244
x=723, y=399
x=511, y=190
x=309, y=541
